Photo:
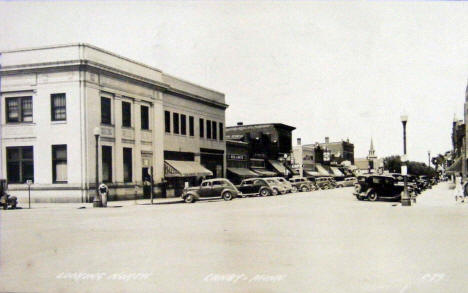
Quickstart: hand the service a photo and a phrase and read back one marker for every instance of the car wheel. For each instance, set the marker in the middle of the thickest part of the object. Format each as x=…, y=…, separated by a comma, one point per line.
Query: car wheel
x=325, y=187
x=294, y=189
x=265, y=192
x=372, y=196
x=5, y=206
x=304, y=189
x=276, y=192
x=227, y=195
x=189, y=198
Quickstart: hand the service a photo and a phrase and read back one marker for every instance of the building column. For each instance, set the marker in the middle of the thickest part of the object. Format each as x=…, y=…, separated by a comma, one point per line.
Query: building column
x=158, y=137
x=137, y=164
x=117, y=164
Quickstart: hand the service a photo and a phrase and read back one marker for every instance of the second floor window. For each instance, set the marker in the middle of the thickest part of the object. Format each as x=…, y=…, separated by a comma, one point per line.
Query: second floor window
x=208, y=129
x=58, y=107
x=221, y=131
x=191, y=126
x=214, y=136
x=19, y=109
x=202, y=127
x=144, y=117
x=183, y=124
x=105, y=110
x=126, y=114
x=175, y=122
x=167, y=119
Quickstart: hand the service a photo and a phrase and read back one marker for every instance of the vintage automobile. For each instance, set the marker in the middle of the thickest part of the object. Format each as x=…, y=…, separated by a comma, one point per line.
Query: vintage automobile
x=347, y=182
x=322, y=182
x=259, y=186
x=6, y=200
x=218, y=187
x=411, y=181
x=301, y=184
x=425, y=181
x=375, y=187
x=286, y=184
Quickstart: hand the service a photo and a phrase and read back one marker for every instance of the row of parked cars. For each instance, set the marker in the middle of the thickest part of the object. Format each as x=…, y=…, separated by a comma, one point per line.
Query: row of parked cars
x=390, y=186
x=223, y=188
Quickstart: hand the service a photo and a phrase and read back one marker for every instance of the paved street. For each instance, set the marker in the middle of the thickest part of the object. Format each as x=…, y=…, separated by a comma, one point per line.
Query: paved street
x=324, y=241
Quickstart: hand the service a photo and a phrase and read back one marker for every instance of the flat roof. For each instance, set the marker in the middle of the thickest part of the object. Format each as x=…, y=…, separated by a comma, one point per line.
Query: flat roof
x=279, y=125
x=61, y=54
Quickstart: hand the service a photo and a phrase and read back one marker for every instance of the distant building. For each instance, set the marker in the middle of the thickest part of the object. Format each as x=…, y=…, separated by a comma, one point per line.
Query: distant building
x=238, y=161
x=371, y=163
x=269, y=145
x=339, y=151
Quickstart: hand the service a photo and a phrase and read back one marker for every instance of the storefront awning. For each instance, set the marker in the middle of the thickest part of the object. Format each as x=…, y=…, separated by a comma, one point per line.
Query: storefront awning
x=336, y=172
x=312, y=173
x=278, y=166
x=184, y=169
x=265, y=173
x=456, y=167
x=322, y=170
x=242, y=172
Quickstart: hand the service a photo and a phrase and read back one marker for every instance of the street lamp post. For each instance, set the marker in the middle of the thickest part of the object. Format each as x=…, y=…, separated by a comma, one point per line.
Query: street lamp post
x=429, y=158
x=97, y=202
x=405, y=200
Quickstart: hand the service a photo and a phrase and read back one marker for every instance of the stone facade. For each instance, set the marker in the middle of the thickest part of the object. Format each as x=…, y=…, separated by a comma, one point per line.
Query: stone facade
x=86, y=75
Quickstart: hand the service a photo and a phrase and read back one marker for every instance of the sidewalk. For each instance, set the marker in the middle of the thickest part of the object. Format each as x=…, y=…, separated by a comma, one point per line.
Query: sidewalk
x=439, y=195
x=110, y=204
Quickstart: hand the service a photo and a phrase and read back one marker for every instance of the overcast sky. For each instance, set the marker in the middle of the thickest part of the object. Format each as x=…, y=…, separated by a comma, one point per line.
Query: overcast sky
x=338, y=69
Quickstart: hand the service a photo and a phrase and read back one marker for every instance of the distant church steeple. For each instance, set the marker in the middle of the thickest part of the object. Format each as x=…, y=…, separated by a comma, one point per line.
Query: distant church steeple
x=371, y=150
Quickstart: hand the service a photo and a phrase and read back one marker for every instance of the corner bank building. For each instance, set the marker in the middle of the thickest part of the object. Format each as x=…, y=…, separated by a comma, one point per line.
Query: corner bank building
x=58, y=101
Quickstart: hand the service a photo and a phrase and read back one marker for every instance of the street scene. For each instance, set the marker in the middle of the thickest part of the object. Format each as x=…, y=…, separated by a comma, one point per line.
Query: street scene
x=269, y=146
x=319, y=241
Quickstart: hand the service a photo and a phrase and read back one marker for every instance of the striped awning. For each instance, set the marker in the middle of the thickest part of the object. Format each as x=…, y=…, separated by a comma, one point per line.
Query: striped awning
x=336, y=172
x=322, y=170
x=312, y=173
x=279, y=167
x=242, y=172
x=185, y=169
x=456, y=167
x=265, y=173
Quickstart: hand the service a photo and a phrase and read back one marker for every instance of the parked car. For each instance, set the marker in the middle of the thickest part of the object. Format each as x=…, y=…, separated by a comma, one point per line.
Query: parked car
x=286, y=184
x=6, y=200
x=257, y=186
x=347, y=182
x=322, y=182
x=375, y=187
x=218, y=187
x=301, y=184
x=278, y=187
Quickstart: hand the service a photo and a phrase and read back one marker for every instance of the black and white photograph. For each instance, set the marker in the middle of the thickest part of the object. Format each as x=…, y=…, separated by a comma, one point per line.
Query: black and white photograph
x=233, y=146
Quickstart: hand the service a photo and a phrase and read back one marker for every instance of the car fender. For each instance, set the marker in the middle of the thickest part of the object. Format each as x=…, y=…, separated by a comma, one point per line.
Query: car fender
x=369, y=191
x=193, y=193
x=234, y=193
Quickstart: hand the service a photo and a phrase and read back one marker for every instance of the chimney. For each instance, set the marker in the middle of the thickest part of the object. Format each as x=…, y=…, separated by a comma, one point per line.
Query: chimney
x=327, y=140
x=298, y=141
x=240, y=123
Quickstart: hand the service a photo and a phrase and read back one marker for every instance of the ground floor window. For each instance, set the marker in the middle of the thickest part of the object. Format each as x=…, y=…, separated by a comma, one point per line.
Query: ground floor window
x=106, y=163
x=127, y=164
x=59, y=164
x=20, y=164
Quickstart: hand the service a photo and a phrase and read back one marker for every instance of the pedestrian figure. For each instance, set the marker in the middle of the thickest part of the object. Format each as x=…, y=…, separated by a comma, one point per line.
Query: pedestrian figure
x=458, y=192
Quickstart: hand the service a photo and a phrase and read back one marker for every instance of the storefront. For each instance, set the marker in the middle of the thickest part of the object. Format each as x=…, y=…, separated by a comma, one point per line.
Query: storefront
x=181, y=174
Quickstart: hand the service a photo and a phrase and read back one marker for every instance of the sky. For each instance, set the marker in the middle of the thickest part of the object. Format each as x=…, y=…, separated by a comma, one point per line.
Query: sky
x=344, y=69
